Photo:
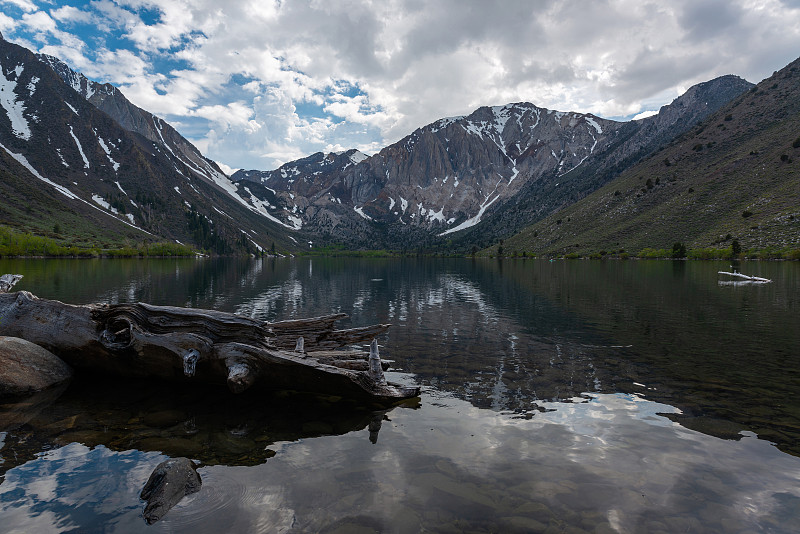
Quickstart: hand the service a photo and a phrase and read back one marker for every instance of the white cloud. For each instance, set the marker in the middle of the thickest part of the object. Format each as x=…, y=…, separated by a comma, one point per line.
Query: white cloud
x=7, y=23
x=644, y=114
x=25, y=5
x=278, y=79
x=235, y=114
x=71, y=14
x=227, y=170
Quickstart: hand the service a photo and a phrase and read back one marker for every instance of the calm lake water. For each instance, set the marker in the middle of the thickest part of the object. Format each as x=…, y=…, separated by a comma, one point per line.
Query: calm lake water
x=566, y=396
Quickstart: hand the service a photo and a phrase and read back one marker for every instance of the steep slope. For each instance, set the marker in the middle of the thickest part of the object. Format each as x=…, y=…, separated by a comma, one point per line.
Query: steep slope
x=472, y=179
x=72, y=165
x=438, y=180
x=113, y=103
x=635, y=141
x=734, y=176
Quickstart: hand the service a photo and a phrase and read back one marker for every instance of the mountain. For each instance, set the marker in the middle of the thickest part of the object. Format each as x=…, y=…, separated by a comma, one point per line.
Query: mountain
x=735, y=176
x=113, y=103
x=635, y=141
x=439, y=179
x=78, y=161
x=471, y=179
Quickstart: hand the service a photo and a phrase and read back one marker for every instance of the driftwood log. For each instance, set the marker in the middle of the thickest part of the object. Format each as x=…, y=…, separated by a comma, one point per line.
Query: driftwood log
x=207, y=346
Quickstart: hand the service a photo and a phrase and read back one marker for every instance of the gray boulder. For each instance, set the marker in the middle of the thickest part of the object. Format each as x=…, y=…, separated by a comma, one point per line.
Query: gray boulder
x=26, y=368
x=170, y=482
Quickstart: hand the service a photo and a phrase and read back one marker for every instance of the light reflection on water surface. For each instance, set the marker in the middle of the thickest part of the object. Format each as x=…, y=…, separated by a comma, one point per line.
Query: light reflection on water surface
x=544, y=393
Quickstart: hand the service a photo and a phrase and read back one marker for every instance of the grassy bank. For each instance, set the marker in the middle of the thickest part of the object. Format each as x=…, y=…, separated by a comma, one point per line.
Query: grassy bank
x=337, y=251
x=15, y=244
x=678, y=251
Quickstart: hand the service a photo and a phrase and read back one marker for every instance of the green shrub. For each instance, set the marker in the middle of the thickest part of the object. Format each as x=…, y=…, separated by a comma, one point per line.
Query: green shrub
x=653, y=253
x=709, y=253
x=14, y=243
x=678, y=250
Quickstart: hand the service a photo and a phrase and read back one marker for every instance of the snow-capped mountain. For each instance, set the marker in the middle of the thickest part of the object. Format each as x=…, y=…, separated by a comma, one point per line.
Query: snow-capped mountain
x=634, y=141
x=459, y=176
x=440, y=179
x=467, y=180
x=113, y=102
x=95, y=156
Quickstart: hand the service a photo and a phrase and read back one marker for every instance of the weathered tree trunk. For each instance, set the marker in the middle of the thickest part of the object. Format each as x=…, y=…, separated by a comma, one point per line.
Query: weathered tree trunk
x=204, y=345
x=7, y=281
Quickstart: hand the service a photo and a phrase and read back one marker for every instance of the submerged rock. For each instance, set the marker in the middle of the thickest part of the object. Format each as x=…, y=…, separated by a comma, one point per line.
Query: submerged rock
x=170, y=482
x=27, y=368
x=17, y=411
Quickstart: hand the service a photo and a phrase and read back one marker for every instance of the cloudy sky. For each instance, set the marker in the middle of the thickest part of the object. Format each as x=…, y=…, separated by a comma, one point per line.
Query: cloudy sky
x=255, y=83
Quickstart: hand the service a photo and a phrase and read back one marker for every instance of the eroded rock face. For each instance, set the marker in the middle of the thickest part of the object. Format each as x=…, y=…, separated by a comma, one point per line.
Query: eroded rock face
x=27, y=368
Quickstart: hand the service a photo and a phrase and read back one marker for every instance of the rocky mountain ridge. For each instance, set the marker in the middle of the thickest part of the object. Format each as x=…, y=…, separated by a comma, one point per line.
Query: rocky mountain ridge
x=636, y=140
x=472, y=178
x=78, y=157
x=454, y=184
x=732, y=177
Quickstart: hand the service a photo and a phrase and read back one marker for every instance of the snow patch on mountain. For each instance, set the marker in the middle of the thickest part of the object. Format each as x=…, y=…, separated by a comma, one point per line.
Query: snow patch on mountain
x=357, y=157
x=108, y=153
x=360, y=211
x=13, y=107
x=24, y=162
x=441, y=124
x=99, y=200
x=470, y=127
x=221, y=212
x=80, y=148
x=157, y=124
x=63, y=161
x=436, y=215
x=594, y=124
x=32, y=85
x=501, y=116
x=260, y=206
x=473, y=220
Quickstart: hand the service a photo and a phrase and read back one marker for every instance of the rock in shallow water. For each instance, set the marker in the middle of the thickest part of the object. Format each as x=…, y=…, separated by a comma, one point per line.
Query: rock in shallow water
x=170, y=482
x=26, y=368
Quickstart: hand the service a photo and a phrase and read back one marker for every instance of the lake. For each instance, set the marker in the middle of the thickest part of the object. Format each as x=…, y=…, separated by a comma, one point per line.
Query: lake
x=565, y=396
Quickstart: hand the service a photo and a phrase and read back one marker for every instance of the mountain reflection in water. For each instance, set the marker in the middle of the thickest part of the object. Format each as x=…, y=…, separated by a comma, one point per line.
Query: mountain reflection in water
x=551, y=393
